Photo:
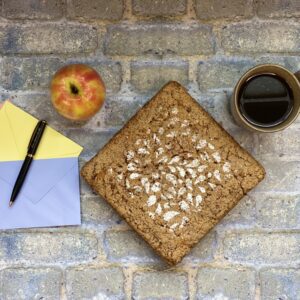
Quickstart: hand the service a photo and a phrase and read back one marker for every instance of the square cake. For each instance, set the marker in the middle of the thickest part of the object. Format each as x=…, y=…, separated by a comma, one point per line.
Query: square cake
x=172, y=172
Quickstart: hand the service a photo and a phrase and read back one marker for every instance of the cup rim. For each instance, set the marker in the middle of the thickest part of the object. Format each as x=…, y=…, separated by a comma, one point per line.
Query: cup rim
x=242, y=79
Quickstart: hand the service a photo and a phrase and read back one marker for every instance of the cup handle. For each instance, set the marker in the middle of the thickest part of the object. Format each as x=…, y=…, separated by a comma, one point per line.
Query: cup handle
x=297, y=74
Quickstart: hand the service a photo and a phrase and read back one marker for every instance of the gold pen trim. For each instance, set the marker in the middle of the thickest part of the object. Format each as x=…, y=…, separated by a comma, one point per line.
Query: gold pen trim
x=29, y=155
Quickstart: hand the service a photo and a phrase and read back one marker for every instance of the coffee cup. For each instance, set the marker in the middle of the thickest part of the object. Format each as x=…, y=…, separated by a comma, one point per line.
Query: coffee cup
x=266, y=98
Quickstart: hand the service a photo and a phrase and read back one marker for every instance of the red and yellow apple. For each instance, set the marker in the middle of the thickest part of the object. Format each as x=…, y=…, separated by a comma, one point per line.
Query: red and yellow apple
x=77, y=92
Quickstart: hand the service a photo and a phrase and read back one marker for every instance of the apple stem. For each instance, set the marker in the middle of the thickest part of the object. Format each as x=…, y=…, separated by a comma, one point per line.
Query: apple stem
x=74, y=89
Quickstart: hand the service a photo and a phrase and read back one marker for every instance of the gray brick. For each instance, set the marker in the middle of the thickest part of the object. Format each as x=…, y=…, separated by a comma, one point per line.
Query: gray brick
x=96, y=10
x=85, y=189
x=159, y=39
x=118, y=110
x=283, y=142
x=245, y=138
x=204, y=250
x=65, y=247
x=269, y=248
x=97, y=211
x=95, y=283
x=29, y=101
x=212, y=9
x=207, y=101
x=292, y=63
x=36, y=74
x=114, y=113
x=160, y=285
x=281, y=176
x=31, y=283
x=222, y=73
x=242, y=214
x=32, y=9
x=39, y=105
x=280, y=284
x=28, y=73
x=218, y=283
x=156, y=8
x=147, y=76
x=278, y=210
x=218, y=105
x=128, y=246
x=255, y=37
x=47, y=38
x=92, y=140
x=277, y=8
x=110, y=72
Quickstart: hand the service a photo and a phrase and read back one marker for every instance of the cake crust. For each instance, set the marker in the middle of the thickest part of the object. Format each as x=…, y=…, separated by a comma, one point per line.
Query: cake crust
x=172, y=172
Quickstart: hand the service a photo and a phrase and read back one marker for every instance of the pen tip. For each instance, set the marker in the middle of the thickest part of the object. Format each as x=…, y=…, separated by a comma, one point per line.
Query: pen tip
x=10, y=203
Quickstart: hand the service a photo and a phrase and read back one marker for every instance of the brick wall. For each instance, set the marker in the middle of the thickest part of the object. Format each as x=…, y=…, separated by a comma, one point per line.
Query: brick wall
x=137, y=46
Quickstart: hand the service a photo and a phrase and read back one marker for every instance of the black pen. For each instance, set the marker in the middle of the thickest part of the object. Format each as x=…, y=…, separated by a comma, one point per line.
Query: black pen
x=31, y=150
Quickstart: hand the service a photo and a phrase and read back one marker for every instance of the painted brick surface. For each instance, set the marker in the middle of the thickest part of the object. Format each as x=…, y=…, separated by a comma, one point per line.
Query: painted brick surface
x=205, y=249
x=95, y=283
x=128, y=246
x=255, y=37
x=65, y=247
x=246, y=139
x=280, y=284
x=137, y=46
x=217, y=103
x=118, y=110
x=222, y=73
x=159, y=7
x=160, y=285
x=278, y=210
x=85, y=189
x=213, y=9
x=281, y=175
x=47, y=38
x=36, y=73
x=277, y=8
x=284, y=143
x=111, y=72
x=33, y=9
x=272, y=248
x=161, y=39
x=292, y=62
x=243, y=214
x=144, y=75
x=87, y=137
x=96, y=211
x=227, y=283
x=96, y=10
x=28, y=73
x=31, y=283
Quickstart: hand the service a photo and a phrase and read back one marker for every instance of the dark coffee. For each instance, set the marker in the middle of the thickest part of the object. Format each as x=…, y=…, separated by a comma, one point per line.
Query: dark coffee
x=265, y=100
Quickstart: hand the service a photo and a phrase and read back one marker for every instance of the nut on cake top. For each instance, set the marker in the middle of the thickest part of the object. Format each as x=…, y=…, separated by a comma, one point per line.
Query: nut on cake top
x=172, y=172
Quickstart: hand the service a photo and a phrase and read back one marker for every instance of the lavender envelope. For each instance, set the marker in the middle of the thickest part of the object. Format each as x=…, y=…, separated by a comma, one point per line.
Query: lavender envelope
x=50, y=195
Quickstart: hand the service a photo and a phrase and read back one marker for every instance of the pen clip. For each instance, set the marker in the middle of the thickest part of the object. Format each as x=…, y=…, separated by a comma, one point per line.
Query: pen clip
x=37, y=128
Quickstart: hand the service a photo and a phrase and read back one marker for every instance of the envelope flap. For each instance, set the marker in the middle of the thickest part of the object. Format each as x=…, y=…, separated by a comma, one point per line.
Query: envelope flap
x=8, y=149
x=42, y=176
x=52, y=145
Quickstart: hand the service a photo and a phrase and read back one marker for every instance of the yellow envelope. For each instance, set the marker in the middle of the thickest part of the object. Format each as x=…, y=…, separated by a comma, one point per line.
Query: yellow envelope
x=16, y=127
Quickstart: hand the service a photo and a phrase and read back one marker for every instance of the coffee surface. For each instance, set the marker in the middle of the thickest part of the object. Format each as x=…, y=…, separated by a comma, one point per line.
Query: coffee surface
x=266, y=100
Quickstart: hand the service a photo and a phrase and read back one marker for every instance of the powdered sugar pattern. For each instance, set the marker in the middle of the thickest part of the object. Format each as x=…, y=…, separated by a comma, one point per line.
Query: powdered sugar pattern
x=179, y=184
